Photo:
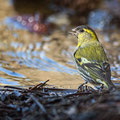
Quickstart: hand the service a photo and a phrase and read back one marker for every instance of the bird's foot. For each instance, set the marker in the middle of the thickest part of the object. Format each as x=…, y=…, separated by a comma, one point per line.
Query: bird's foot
x=82, y=85
x=84, y=88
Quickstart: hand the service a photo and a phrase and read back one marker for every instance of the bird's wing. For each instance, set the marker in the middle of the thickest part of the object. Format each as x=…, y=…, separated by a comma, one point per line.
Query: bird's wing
x=100, y=71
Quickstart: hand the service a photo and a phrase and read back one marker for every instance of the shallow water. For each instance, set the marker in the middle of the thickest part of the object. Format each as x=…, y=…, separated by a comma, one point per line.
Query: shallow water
x=27, y=58
x=28, y=66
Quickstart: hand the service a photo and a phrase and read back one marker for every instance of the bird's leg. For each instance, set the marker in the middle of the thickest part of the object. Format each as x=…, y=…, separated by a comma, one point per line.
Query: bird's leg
x=101, y=88
x=83, y=87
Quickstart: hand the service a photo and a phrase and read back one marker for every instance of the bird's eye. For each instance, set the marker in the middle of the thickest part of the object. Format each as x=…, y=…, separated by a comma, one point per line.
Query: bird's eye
x=81, y=30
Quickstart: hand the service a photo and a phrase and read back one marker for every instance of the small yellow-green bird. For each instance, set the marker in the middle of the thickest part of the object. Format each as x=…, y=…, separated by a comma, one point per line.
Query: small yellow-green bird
x=91, y=59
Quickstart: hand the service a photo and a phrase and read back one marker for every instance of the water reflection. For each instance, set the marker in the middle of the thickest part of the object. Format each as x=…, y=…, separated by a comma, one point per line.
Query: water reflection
x=32, y=58
x=4, y=81
x=37, y=59
x=11, y=73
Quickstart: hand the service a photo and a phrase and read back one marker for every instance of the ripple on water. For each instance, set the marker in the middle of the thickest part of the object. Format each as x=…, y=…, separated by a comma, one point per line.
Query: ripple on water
x=37, y=59
x=33, y=59
x=11, y=73
x=5, y=81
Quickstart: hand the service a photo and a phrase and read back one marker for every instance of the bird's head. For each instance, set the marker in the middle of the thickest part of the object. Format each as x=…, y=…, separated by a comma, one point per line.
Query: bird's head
x=84, y=35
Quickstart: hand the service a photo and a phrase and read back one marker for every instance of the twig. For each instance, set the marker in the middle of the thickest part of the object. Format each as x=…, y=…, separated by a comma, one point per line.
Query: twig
x=13, y=87
x=43, y=83
x=39, y=85
x=39, y=104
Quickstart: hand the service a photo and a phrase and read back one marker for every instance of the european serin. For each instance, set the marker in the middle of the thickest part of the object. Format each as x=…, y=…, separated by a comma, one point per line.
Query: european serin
x=91, y=59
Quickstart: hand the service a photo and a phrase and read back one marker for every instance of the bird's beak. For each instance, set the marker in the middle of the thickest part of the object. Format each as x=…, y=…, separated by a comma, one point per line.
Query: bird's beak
x=73, y=32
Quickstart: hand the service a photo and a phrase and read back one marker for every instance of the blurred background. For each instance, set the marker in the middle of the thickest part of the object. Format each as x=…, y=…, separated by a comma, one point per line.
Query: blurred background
x=35, y=45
